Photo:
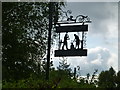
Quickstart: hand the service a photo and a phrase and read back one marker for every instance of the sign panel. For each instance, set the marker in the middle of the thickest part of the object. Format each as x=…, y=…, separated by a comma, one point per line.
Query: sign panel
x=75, y=52
x=72, y=28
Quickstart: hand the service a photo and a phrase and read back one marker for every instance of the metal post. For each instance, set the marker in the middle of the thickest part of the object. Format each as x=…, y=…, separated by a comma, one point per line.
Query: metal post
x=49, y=40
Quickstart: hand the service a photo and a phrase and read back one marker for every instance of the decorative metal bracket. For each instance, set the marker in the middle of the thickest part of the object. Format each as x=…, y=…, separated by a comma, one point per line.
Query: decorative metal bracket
x=67, y=18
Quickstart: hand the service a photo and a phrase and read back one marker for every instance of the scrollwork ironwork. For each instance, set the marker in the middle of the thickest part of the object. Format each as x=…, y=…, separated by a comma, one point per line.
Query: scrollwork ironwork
x=79, y=19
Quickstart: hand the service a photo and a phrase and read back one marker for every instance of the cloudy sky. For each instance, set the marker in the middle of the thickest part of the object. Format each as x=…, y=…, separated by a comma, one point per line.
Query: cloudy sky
x=102, y=37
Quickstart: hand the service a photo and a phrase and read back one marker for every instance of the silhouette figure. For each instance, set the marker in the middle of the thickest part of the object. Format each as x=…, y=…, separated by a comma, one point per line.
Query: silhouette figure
x=77, y=41
x=66, y=37
x=72, y=46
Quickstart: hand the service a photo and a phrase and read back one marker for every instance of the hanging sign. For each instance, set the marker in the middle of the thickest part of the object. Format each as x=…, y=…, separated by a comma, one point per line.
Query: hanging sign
x=72, y=28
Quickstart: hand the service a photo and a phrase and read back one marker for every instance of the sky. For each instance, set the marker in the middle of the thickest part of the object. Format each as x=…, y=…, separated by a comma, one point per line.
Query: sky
x=102, y=36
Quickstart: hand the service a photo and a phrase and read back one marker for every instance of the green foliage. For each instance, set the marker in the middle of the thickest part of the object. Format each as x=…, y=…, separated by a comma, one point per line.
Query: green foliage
x=24, y=31
x=19, y=48
x=107, y=79
x=26, y=83
x=56, y=81
x=60, y=78
x=117, y=79
x=64, y=66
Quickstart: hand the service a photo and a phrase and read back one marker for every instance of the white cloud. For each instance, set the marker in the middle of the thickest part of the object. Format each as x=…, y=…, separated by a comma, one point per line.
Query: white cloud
x=104, y=58
x=97, y=61
x=98, y=58
x=98, y=53
x=113, y=61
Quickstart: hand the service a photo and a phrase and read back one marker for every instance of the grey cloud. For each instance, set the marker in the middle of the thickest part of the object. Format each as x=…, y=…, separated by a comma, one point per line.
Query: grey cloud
x=100, y=54
x=99, y=12
x=103, y=56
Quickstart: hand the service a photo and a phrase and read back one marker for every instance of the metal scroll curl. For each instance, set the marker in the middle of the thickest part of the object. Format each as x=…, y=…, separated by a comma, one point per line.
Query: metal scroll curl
x=66, y=16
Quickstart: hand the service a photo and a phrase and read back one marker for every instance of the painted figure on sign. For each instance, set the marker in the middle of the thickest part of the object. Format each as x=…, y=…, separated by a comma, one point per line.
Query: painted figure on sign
x=77, y=41
x=66, y=37
x=72, y=46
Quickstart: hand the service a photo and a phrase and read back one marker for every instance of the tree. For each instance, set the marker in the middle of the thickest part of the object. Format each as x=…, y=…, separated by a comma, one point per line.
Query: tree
x=24, y=42
x=107, y=79
x=118, y=79
x=64, y=67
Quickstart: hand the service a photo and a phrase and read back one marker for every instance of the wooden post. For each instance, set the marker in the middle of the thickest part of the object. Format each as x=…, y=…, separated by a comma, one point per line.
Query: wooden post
x=49, y=40
x=74, y=73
